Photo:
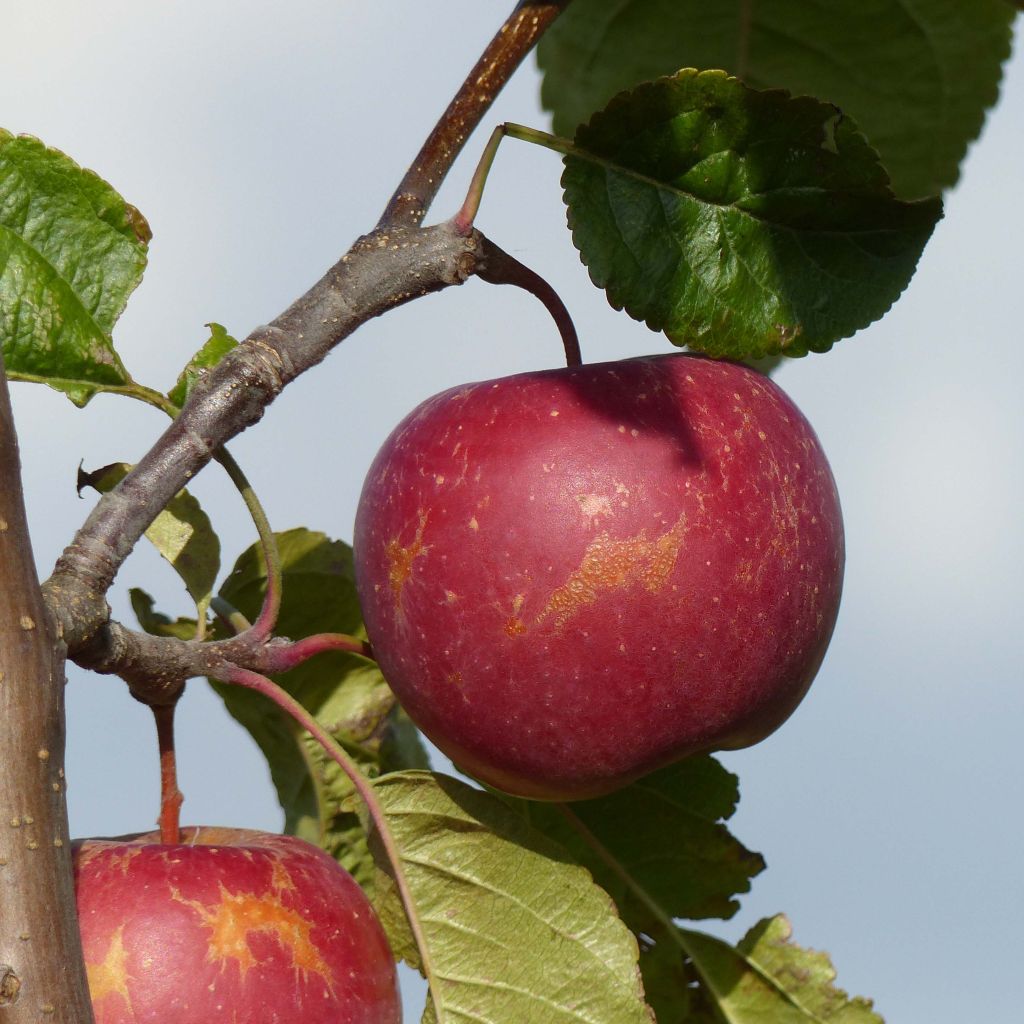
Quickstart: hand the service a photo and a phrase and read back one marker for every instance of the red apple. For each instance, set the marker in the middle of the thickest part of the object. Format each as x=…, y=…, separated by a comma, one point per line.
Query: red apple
x=229, y=925
x=573, y=577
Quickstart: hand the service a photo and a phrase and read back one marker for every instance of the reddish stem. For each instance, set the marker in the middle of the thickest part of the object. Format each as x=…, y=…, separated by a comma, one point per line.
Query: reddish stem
x=498, y=267
x=170, y=796
x=283, y=657
x=236, y=676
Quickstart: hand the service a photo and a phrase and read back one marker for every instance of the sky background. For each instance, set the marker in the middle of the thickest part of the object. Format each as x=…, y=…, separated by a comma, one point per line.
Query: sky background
x=259, y=139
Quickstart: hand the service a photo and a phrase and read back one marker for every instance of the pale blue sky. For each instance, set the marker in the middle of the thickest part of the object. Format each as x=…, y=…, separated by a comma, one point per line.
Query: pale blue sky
x=259, y=139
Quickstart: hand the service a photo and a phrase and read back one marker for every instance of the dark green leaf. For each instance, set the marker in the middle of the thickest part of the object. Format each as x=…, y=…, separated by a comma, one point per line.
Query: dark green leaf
x=219, y=344
x=182, y=533
x=513, y=932
x=741, y=223
x=71, y=252
x=345, y=693
x=659, y=841
x=917, y=75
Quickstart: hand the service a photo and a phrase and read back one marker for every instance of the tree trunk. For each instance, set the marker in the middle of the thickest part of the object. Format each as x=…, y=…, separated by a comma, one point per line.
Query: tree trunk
x=42, y=977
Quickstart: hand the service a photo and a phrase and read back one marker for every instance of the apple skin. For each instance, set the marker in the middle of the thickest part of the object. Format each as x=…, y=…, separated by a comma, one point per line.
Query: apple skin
x=573, y=577
x=229, y=925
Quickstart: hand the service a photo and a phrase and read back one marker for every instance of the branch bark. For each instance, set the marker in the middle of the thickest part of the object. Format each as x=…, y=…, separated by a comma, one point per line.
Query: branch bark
x=41, y=972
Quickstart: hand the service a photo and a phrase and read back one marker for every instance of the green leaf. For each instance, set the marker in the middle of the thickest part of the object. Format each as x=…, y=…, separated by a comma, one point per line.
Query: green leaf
x=659, y=841
x=71, y=252
x=658, y=848
x=345, y=693
x=182, y=533
x=741, y=223
x=917, y=75
x=768, y=978
x=219, y=344
x=513, y=932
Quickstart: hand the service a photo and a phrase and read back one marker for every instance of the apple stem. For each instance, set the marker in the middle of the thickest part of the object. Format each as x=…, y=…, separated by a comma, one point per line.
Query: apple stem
x=498, y=267
x=170, y=796
x=236, y=676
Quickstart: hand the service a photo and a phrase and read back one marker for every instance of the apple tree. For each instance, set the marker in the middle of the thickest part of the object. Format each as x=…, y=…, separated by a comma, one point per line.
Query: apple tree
x=733, y=180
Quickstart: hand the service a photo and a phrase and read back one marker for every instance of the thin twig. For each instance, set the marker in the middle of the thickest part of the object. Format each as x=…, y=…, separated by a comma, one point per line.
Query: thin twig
x=264, y=625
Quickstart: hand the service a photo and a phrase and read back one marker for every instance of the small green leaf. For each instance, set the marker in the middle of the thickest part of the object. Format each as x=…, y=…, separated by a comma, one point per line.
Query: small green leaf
x=345, y=693
x=658, y=841
x=766, y=977
x=917, y=75
x=71, y=252
x=741, y=223
x=513, y=932
x=182, y=533
x=219, y=344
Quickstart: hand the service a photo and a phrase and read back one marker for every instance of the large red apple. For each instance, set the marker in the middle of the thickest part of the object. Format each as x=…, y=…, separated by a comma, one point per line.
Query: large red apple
x=229, y=925
x=573, y=577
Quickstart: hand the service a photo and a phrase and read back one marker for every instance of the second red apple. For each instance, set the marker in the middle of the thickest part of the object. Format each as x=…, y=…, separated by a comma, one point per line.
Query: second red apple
x=229, y=925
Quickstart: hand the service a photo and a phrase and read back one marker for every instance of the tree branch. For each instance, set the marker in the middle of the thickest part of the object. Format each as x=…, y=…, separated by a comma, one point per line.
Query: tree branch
x=41, y=971
x=382, y=270
x=397, y=262
x=157, y=667
x=506, y=51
